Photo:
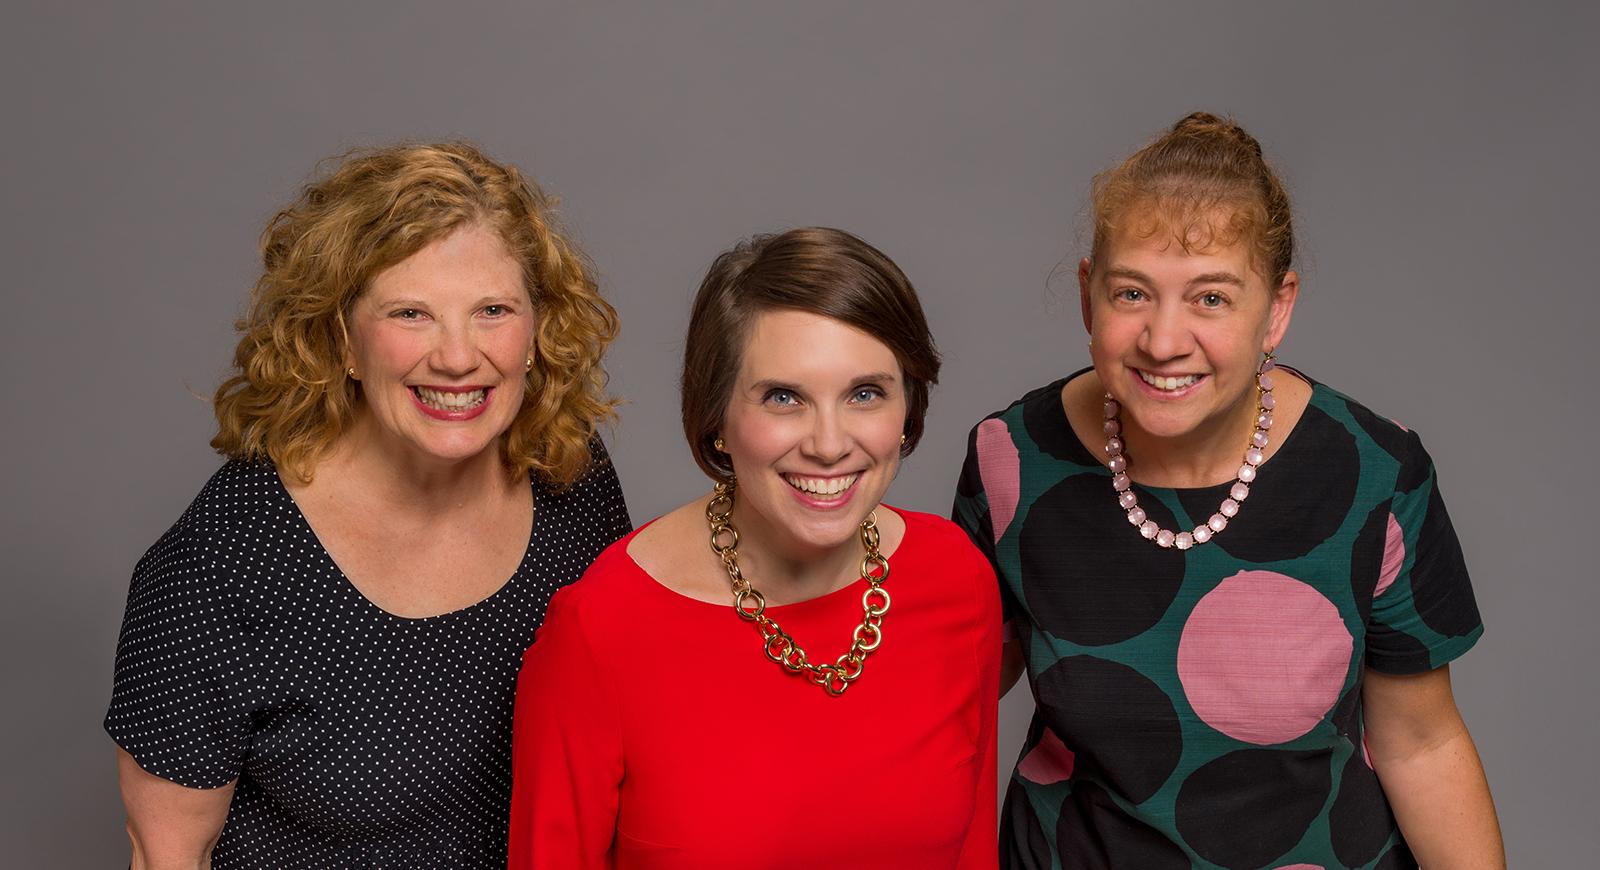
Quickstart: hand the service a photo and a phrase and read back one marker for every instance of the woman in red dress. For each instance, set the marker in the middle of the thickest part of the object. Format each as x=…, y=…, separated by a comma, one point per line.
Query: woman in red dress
x=776, y=699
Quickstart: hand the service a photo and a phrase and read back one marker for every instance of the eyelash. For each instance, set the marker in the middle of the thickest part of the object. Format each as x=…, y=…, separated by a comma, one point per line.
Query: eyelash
x=494, y=311
x=1126, y=294
x=874, y=393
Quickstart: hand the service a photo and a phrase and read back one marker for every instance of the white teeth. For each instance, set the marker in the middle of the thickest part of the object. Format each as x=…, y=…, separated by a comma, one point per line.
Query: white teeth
x=1162, y=383
x=821, y=485
x=446, y=401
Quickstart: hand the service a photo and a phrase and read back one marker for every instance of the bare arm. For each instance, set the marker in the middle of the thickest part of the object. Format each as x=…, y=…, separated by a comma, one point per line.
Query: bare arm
x=171, y=827
x=1430, y=771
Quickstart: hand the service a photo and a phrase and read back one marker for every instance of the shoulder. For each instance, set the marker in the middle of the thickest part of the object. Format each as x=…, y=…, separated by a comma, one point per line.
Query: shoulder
x=1045, y=395
x=613, y=573
x=1035, y=423
x=1382, y=436
x=183, y=564
x=933, y=537
x=240, y=494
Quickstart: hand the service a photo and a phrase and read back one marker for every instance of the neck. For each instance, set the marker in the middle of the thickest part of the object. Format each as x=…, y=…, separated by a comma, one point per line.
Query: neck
x=1209, y=455
x=786, y=573
x=405, y=479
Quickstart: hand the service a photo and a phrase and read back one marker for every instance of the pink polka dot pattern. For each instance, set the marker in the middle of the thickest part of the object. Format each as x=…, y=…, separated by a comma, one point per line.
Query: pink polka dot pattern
x=1263, y=656
x=1394, y=555
x=1051, y=761
x=999, y=466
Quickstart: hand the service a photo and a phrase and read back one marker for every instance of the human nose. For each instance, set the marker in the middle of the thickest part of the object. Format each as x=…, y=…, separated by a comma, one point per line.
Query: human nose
x=829, y=440
x=1166, y=335
x=456, y=351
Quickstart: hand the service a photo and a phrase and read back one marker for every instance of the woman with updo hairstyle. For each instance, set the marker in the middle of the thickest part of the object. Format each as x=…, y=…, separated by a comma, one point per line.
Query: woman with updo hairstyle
x=780, y=698
x=318, y=661
x=1235, y=590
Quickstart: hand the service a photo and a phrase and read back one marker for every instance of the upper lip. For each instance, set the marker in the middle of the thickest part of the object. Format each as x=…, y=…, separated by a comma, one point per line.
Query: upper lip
x=1156, y=374
x=451, y=388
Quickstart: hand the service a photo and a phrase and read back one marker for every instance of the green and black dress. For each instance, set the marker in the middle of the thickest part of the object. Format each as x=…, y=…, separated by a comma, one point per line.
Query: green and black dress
x=1202, y=708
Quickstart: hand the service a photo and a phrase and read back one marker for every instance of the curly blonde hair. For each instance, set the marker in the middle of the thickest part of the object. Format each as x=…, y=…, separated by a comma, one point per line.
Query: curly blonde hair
x=288, y=399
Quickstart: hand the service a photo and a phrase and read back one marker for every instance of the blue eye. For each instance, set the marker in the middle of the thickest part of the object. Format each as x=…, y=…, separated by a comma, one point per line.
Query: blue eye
x=866, y=395
x=1213, y=300
x=782, y=397
x=1130, y=294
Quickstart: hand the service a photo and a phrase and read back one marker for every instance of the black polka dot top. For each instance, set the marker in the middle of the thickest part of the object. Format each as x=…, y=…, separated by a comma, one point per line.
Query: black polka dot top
x=358, y=738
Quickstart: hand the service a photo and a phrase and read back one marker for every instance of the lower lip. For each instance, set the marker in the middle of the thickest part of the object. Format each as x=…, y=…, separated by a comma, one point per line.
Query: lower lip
x=824, y=503
x=456, y=416
x=1154, y=393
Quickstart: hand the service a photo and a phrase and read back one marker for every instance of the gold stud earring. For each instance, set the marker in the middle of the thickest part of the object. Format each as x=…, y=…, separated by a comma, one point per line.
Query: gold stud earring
x=528, y=366
x=351, y=371
x=902, y=439
x=721, y=447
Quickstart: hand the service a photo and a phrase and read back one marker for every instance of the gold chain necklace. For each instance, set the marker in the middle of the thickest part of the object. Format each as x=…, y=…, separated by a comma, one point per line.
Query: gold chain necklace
x=779, y=646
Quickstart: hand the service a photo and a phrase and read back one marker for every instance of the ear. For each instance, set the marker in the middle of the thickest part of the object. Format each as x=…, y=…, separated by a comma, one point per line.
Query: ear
x=1283, y=299
x=1085, y=270
x=344, y=335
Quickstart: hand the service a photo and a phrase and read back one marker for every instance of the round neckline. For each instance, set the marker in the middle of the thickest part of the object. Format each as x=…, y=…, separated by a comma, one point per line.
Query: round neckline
x=858, y=585
x=1059, y=409
x=502, y=589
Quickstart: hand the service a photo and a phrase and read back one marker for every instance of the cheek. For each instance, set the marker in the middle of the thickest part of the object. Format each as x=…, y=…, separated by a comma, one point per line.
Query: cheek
x=382, y=350
x=756, y=438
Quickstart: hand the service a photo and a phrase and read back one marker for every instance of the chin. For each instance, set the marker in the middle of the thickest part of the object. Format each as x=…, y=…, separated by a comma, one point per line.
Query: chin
x=456, y=451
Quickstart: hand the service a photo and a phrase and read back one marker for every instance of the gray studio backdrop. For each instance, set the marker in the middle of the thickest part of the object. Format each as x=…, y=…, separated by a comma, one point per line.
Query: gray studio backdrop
x=1441, y=156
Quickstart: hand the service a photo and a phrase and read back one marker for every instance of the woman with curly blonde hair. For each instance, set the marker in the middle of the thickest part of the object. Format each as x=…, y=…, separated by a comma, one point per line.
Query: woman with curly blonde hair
x=318, y=661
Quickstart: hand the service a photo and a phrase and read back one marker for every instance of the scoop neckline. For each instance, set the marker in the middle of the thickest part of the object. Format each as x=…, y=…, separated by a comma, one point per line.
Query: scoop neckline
x=858, y=585
x=1060, y=411
x=350, y=586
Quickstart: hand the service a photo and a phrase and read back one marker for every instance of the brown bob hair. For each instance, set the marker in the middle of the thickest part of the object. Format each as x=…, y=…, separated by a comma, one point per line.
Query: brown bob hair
x=1181, y=180
x=819, y=270
x=288, y=398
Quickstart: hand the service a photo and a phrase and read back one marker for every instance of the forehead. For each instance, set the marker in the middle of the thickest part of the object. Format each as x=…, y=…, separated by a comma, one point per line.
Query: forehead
x=800, y=347
x=1179, y=240
x=470, y=260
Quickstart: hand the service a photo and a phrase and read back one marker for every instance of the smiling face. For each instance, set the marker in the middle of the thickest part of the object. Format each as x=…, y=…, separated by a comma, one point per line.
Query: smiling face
x=812, y=430
x=439, y=342
x=1178, y=335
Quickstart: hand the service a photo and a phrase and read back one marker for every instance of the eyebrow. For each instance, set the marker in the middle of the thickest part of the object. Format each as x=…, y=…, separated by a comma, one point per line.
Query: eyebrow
x=775, y=384
x=406, y=302
x=1207, y=278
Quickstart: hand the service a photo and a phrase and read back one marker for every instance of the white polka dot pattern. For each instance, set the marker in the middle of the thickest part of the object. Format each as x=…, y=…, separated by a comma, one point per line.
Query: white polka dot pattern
x=359, y=738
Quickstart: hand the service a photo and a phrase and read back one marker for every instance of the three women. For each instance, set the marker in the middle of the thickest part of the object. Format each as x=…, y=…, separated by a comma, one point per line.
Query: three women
x=1235, y=590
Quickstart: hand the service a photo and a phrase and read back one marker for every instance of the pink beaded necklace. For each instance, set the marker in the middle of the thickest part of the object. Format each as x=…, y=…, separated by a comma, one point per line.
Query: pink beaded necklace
x=1240, y=490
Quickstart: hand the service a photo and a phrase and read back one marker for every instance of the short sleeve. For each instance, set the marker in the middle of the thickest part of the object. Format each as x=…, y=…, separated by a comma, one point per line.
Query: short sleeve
x=1423, y=611
x=566, y=750
x=177, y=697
x=971, y=513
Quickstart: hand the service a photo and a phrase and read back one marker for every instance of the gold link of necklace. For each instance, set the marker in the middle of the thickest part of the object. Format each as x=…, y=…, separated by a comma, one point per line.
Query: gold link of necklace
x=836, y=677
